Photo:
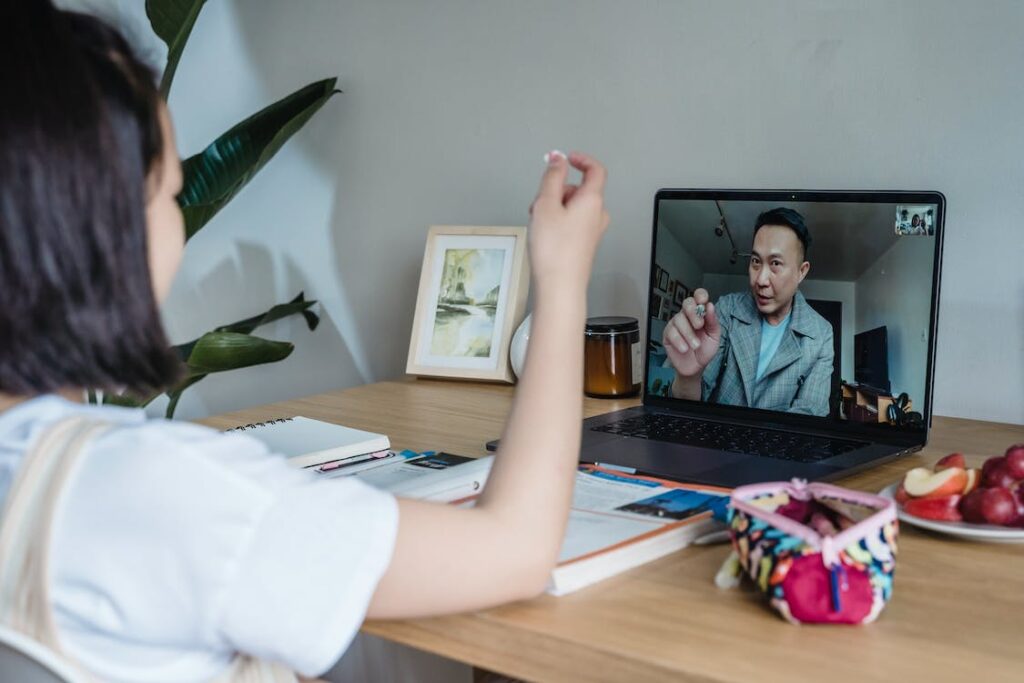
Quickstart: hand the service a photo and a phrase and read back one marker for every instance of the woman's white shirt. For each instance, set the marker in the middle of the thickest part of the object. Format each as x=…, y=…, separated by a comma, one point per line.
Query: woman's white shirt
x=177, y=545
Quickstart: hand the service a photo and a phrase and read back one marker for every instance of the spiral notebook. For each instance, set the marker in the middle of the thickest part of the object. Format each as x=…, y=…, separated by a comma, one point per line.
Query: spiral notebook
x=309, y=443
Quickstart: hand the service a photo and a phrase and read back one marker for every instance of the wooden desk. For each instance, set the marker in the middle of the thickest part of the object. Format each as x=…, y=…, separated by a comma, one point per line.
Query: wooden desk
x=957, y=612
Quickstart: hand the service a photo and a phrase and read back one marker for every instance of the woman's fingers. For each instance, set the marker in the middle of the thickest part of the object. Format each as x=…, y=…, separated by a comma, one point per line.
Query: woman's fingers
x=594, y=174
x=552, y=183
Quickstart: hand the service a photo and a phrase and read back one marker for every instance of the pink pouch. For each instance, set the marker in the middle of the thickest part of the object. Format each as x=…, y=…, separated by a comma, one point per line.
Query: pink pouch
x=815, y=564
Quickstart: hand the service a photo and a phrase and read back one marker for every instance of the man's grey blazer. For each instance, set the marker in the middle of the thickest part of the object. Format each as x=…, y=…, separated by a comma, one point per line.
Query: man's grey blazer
x=799, y=376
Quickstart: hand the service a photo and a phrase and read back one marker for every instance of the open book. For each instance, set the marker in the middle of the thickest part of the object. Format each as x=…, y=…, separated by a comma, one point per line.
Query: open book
x=617, y=521
x=620, y=521
x=440, y=477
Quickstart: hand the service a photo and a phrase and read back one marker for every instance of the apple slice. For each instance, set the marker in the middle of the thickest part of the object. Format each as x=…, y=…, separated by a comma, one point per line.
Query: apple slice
x=944, y=509
x=951, y=460
x=973, y=479
x=921, y=482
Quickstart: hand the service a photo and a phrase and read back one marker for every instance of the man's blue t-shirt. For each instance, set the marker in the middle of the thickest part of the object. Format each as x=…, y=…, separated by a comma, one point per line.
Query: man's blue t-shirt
x=771, y=337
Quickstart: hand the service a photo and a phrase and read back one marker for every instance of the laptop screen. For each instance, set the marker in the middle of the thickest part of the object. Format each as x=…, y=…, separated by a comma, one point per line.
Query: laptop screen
x=805, y=303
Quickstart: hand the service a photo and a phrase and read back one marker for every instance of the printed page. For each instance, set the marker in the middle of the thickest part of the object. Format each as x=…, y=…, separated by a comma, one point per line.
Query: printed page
x=610, y=493
x=603, y=493
x=589, y=532
x=391, y=477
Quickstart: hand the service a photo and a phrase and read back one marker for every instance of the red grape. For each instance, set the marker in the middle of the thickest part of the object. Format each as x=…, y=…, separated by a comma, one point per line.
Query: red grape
x=1000, y=476
x=990, y=465
x=1015, y=460
x=998, y=506
x=970, y=507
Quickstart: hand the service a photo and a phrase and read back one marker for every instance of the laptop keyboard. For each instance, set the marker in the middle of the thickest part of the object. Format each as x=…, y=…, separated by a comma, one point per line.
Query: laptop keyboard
x=769, y=443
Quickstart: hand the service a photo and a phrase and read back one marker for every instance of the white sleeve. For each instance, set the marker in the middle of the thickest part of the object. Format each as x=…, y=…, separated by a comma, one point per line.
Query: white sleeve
x=180, y=543
x=300, y=591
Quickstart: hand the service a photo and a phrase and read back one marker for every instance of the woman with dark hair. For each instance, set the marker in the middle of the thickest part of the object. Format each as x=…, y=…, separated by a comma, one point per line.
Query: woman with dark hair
x=148, y=550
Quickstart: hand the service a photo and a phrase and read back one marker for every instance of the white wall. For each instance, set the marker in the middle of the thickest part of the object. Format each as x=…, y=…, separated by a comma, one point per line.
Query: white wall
x=845, y=293
x=895, y=292
x=449, y=105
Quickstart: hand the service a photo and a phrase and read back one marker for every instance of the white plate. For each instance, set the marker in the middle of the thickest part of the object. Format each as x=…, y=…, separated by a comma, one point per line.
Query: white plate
x=974, y=532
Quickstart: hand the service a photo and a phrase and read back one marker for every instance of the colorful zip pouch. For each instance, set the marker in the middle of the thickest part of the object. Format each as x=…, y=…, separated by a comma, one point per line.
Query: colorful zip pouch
x=821, y=553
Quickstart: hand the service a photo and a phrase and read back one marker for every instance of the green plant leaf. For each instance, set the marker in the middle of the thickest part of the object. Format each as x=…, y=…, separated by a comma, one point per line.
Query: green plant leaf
x=216, y=174
x=172, y=20
x=222, y=351
x=128, y=400
x=213, y=352
x=296, y=305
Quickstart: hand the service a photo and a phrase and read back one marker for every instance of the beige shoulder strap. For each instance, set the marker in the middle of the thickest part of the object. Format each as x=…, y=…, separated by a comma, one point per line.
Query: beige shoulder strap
x=25, y=530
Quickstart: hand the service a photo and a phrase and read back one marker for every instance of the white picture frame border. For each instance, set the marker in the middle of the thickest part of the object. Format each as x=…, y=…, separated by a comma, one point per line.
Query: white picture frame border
x=514, y=298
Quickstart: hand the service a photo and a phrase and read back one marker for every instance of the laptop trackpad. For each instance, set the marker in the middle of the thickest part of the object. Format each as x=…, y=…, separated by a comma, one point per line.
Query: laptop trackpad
x=657, y=457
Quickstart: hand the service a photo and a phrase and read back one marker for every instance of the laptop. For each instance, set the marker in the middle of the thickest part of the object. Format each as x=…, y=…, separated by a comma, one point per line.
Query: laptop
x=812, y=374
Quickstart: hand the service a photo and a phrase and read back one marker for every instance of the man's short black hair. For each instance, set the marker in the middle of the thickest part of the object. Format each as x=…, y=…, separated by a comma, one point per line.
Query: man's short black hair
x=79, y=137
x=789, y=218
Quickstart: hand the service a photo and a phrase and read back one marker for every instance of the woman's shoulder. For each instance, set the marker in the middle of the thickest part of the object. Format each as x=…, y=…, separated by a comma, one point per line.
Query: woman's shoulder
x=134, y=441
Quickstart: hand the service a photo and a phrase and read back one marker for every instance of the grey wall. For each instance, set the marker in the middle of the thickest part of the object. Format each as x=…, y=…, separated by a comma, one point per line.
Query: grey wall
x=449, y=105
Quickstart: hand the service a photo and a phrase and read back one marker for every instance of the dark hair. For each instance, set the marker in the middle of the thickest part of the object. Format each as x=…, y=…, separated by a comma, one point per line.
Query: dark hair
x=789, y=218
x=79, y=135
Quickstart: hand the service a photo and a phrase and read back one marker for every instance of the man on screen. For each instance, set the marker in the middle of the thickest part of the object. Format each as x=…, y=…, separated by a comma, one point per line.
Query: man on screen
x=761, y=348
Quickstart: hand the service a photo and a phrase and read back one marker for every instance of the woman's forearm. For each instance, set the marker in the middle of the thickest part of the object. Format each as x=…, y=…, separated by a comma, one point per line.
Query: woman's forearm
x=531, y=482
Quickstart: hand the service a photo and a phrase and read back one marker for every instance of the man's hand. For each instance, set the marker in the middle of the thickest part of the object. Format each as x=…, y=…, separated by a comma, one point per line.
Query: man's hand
x=691, y=341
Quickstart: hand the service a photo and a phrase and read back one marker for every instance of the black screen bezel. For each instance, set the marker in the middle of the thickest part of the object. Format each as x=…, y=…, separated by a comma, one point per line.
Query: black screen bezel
x=903, y=436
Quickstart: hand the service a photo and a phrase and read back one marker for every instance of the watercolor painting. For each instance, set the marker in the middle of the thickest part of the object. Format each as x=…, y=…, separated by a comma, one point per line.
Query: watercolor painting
x=467, y=303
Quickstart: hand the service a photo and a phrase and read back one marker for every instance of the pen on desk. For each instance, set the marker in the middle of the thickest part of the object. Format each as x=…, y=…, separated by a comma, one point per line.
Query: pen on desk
x=720, y=536
x=338, y=464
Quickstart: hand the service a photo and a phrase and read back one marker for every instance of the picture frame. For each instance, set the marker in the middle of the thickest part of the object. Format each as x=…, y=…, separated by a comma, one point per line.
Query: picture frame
x=682, y=291
x=663, y=280
x=472, y=296
x=656, y=277
x=655, y=310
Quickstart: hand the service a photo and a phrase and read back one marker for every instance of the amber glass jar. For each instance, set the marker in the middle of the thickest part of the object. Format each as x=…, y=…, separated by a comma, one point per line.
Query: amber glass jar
x=612, y=362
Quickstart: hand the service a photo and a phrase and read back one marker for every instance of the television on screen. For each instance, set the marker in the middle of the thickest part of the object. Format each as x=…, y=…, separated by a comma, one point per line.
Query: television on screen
x=871, y=358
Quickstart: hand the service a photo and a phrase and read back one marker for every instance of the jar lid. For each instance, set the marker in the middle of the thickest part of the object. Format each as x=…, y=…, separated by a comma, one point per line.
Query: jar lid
x=611, y=323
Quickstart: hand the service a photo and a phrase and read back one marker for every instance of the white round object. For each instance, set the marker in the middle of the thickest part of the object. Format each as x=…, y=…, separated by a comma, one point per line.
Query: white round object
x=517, y=349
x=974, y=532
